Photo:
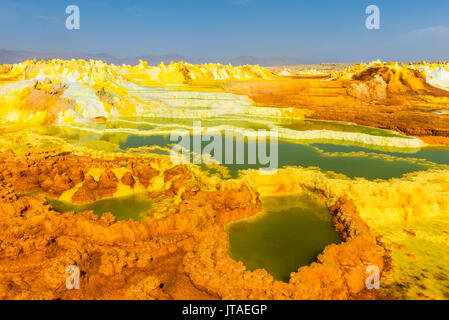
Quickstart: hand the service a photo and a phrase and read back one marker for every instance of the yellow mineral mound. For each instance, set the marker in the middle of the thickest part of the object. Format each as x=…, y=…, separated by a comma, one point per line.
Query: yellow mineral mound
x=398, y=79
x=34, y=103
x=94, y=71
x=44, y=92
x=179, y=73
x=377, y=80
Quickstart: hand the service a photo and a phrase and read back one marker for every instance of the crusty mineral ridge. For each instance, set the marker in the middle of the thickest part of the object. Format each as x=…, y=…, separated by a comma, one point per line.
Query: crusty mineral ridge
x=182, y=255
x=93, y=190
x=128, y=179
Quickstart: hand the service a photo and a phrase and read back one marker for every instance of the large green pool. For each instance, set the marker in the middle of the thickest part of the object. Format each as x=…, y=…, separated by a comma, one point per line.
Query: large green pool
x=352, y=159
x=306, y=155
x=281, y=241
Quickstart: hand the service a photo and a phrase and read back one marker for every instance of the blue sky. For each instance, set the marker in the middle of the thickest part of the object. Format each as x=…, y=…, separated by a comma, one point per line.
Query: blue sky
x=313, y=30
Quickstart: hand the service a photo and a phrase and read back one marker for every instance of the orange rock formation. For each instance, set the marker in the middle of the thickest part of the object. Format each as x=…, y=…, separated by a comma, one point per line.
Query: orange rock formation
x=384, y=96
x=181, y=256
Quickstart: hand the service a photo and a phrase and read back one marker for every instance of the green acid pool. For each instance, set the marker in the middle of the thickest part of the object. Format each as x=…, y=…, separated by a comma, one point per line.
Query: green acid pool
x=284, y=240
x=304, y=155
x=151, y=135
x=124, y=208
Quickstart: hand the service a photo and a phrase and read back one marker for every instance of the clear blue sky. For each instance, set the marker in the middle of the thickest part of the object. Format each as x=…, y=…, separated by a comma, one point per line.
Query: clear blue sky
x=314, y=30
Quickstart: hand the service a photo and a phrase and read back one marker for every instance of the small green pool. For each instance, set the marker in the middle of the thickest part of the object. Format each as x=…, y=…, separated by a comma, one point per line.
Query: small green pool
x=132, y=207
x=282, y=241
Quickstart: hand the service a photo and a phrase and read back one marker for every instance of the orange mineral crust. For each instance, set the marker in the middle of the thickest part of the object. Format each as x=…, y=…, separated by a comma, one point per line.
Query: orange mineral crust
x=181, y=255
x=384, y=95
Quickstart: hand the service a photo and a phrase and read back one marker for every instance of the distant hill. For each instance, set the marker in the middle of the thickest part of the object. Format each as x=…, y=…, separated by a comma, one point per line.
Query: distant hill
x=274, y=61
x=12, y=56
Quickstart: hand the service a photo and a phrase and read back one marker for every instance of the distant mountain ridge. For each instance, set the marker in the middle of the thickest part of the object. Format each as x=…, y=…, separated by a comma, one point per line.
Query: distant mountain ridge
x=16, y=56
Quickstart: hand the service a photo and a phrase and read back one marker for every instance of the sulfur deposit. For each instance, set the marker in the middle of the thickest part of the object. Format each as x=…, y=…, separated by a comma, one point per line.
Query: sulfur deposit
x=87, y=90
x=369, y=141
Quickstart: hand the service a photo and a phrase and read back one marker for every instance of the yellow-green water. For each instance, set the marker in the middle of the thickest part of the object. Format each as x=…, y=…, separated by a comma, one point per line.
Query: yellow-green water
x=341, y=157
x=124, y=208
x=281, y=241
